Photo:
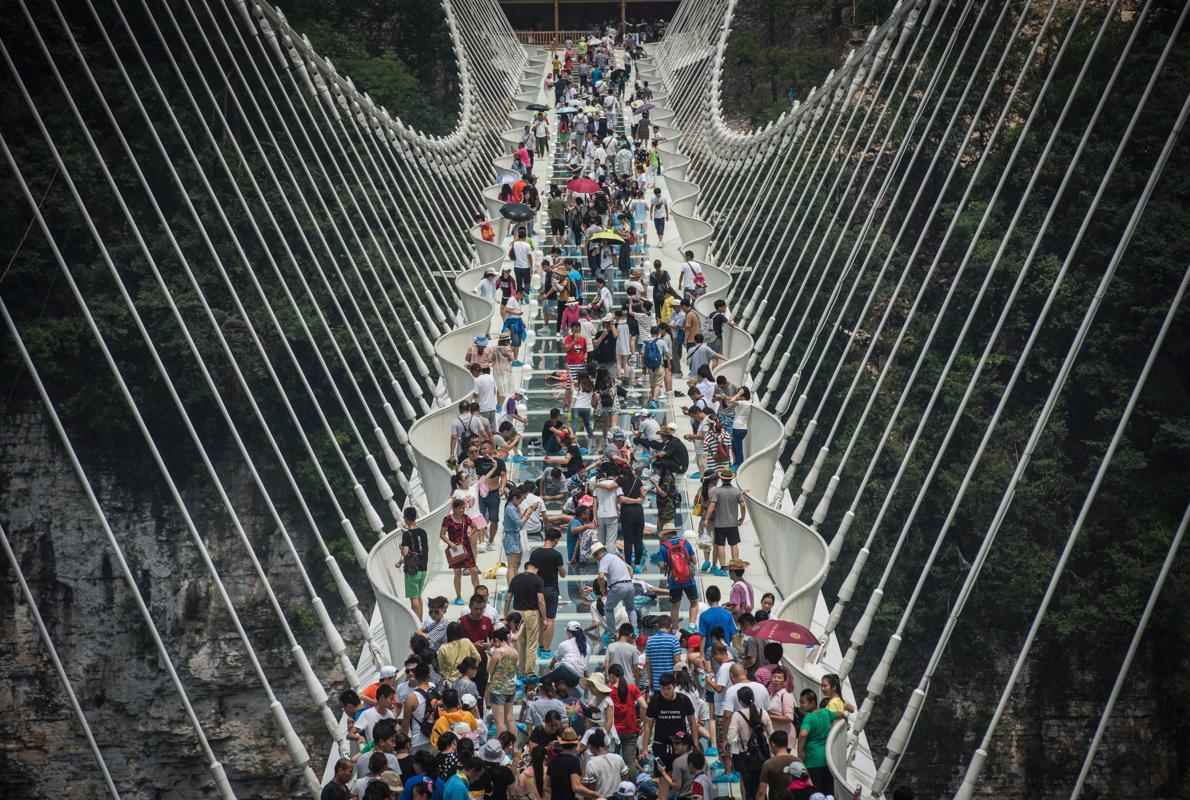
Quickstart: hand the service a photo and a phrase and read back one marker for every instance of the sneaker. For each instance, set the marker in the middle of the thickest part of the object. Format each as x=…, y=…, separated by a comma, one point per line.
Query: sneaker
x=718, y=573
x=711, y=752
x=694, y=476
x=458, y=601
x=726, y=777
x=637, y=570
x=706, y=566
x=544, y=654
x=679, y=393
x=518, y=363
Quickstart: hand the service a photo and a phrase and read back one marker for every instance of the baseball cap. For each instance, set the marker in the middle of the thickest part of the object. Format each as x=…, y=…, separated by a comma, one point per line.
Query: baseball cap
x=575, y=625
x=797, y=769
x=468, y=700
x=694, y=641
x=388, y=672
x=627, y=789
x=644, y=412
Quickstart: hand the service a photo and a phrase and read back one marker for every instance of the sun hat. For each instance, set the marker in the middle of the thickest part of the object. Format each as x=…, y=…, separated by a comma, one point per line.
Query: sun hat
x=522, y=391
x=391, y=779
x=482, y=340
x=492, y=751
x=797, y=769
x=737, y=565
x=460, y=728
x=505, y=336
x=568, y=736
x=597, y=547
x=596, y=683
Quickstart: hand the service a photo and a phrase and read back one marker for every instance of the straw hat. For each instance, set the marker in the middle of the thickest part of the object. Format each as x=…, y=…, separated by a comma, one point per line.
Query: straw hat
x=596, y=683
x=737, y=565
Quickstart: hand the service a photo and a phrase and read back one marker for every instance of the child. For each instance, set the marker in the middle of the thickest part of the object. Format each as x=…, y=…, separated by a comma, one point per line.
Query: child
x=701, y=790
x=465, y=683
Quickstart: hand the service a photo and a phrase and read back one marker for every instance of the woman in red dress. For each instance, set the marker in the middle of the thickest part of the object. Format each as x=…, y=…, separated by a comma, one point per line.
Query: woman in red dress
x=458, y=534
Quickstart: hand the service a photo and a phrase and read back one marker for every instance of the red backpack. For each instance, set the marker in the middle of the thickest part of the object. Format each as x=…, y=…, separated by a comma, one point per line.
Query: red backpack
x=678, y=560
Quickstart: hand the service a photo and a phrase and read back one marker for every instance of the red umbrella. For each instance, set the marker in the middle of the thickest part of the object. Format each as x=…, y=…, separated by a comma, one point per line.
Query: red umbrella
x=779, y=630
x=582, y=186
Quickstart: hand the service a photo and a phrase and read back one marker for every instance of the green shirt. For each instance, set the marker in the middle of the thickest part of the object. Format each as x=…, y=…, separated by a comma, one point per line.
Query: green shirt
x=818, y=725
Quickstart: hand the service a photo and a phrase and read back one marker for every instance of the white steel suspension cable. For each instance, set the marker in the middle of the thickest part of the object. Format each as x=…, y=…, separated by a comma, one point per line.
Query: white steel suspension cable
x=823, y=506
x=395, y=385
x=59, y=670
x=954, y=279
x=329, y=630
x=882, y=64
x=977, y=761
x=903, y=731
x=232, y=239
x=752, y=321
x=218, y=773
x=297, y=750
x=877, y=203
x=1133, y=646
x=876, y=683
x=382, y=484
x=378, y=476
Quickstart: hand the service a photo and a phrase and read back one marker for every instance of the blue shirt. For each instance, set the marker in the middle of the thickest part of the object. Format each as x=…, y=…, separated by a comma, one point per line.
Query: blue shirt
x=713, y=617
x=512, y=520
x=456, y=789
x=407, y=792
x=689, y=553
x=662, y=651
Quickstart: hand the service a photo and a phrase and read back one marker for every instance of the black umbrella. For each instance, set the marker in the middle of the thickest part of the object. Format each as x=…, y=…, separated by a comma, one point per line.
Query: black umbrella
x=517, y=212
x=537, y=107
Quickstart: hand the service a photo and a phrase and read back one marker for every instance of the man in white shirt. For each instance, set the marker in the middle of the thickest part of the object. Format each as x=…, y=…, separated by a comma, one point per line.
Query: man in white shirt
x=615, y=571
x=485, y=393
x=487, y=287
x=541, y=132
x=607, y=511
x=739, y=679
x=532, y=509
x=382, y=710
x=690, y=268
x=522, y=258
x=660, y=212
x=649, y=430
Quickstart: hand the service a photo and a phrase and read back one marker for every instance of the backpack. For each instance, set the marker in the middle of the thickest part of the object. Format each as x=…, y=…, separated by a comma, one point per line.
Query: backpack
x=652, y=354
x=678, y=561
x=756, y=751
x=431, y=704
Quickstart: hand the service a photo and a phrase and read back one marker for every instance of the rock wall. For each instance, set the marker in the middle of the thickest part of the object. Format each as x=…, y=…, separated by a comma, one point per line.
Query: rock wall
x=130, y=703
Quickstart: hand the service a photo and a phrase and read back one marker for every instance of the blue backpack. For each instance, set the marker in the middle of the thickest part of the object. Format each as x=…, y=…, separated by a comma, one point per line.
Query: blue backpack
x=652, y=354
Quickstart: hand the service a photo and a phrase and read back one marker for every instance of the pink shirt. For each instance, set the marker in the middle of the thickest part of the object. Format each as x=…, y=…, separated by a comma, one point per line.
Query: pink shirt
x=782, y=703
x=743, y=596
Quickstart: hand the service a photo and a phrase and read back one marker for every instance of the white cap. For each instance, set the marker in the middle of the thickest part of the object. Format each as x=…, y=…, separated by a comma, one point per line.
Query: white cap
x=523, y=392
x=574, y=625
x=388, y=672
x=468, y=700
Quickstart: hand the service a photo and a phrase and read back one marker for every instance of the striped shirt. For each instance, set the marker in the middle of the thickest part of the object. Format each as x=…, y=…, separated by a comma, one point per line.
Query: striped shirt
x=662, y=651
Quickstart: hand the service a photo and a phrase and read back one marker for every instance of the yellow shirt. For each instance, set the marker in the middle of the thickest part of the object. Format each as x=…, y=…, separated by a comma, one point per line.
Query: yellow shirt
x=451, y=654
x=446, y=721
x=837, y=705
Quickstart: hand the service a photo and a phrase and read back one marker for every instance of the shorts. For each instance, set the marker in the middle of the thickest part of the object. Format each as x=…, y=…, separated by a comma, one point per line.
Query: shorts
x=690, y=590
x=415, y=584
x=512, y=544
x=572, y=373
x=496, y=699
x=489, y=506
x=727, y=536
x=656, y=377
x=558, y=227
x=551, y=602
x=664, y=753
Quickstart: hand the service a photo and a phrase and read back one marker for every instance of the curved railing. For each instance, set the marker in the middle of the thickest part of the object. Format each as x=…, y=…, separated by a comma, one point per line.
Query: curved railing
x=794, y=554
x=429, y=435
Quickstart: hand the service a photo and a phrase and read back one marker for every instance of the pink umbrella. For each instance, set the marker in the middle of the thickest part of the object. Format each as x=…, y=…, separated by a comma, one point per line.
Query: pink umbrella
x=779, y=630
x=582, y=186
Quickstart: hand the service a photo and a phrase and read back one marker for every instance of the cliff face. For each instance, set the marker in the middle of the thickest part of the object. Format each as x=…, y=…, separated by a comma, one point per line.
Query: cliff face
x=131, y=704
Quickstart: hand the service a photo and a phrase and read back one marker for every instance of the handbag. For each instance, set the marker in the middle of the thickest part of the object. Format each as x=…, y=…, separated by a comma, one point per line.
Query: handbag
x=697, y=510
x=456, y=554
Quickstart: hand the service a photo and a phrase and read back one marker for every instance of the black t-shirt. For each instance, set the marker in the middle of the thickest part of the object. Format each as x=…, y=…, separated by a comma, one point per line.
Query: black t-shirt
x=483, y=465
x=674, y=454
x=547, y=436
x=494, y=782
x=669, y=716
x=561, y=768
x=717, y=321
x=571, y=468
x=524, y=589
x=632, y=488
x=419, y=550
x=548, y=561
x=605, y=351
x=541, y=737
x=334, y=791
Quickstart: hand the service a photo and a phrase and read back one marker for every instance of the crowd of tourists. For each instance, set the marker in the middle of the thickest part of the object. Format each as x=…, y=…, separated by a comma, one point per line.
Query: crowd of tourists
x=627, y=698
